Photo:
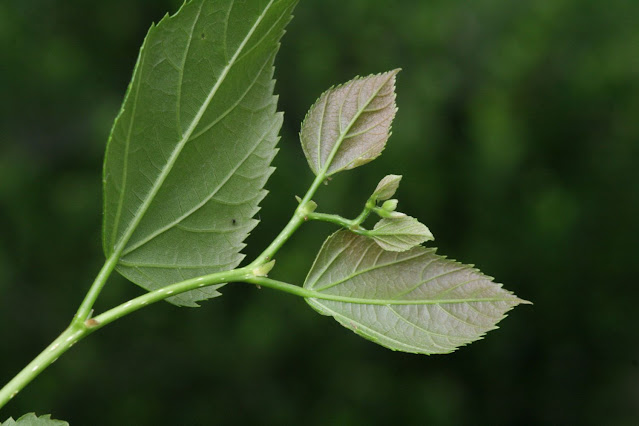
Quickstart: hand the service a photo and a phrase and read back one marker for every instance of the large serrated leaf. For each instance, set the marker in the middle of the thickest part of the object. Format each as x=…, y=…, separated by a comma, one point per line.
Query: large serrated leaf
x=349, y=124
x=31, y=419
x=413, y=301
x=190, y=151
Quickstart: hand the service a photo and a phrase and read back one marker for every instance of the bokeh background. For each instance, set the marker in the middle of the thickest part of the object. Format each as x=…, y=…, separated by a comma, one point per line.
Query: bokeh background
x=518, y=139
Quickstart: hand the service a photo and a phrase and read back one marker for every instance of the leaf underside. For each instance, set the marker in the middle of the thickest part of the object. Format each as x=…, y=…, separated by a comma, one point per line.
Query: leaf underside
x=414, y=301
x=32, y=420
x=190, y=151
x=349, y=125
x=400, y=234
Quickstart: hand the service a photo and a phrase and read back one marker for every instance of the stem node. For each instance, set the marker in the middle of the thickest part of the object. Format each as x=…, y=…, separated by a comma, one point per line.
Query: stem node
x=90, y=323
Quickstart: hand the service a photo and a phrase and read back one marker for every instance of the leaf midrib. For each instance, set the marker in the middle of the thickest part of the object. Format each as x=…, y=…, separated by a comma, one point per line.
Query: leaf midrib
x=406, y=302
x=185, y=137
x=206, y=199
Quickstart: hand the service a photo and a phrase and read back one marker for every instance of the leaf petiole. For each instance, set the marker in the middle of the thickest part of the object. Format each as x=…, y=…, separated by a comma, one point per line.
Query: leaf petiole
x=353, y=225
x=306, y=293
x=301, y=214
x=349, y=224
x=84, y=311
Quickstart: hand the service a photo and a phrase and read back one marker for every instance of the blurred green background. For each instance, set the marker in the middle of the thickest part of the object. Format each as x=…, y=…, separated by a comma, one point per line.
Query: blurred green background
x=518, y=138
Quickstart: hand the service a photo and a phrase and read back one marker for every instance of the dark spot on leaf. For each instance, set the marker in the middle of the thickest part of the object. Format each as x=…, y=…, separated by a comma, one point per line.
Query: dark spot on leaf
x=203, y=36
x=233, y=221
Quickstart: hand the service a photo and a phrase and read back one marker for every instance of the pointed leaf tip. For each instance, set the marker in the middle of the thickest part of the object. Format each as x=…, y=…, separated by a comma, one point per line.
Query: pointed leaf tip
x=349, y=124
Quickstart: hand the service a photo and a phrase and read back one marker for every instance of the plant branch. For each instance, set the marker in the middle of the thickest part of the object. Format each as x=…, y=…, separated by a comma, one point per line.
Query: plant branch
x=370, y=204
x=47, y=357
x=80, y=329
x=354, y=225
x=299, y=216
x=149, y=298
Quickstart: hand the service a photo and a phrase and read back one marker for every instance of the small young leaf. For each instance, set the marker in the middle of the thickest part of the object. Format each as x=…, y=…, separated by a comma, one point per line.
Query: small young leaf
x=190, y=151
x=349, y=125
x=386, y=187
x=31, y=419
x=414, y=301
x=400, y=234
x=390, y=205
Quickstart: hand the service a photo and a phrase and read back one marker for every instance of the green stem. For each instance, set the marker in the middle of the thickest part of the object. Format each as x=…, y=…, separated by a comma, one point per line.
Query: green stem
x=146, y=299
x=370, y=204
x=354, y=225
x=351, y=225
x=300, y=215
x=80, y=329
x=76, y=331
x=333, y=218
x=89, y=300
x=59, y=346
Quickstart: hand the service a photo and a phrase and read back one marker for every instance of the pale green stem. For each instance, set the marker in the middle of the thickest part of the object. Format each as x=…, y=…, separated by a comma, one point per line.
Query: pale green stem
x=354, y=225
x=89, y=300
x=79, y=330
x=59, y=346
x=76, y=331
x=146, y=299
x=299, y=216
x=351, y=225
x=332, y=218
x=370, y=204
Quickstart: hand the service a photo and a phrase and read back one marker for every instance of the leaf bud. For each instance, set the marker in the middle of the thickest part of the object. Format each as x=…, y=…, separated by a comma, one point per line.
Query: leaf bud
x=263, y=270
x=307, y=208
x=386, y=187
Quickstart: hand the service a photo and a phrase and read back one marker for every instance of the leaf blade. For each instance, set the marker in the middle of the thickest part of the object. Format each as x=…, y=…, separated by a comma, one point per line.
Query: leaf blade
x=413, y=301
x=190, y=151
x=348, y=125
x=400, y=234
x=30, y=419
